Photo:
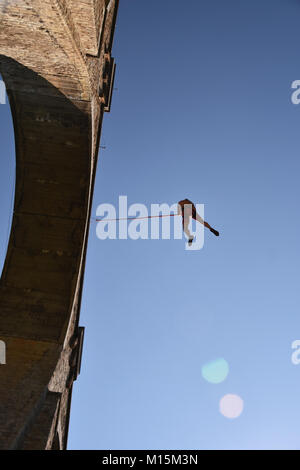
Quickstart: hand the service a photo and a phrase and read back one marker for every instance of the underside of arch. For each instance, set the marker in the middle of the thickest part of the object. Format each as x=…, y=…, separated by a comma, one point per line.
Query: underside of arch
x=57, y=96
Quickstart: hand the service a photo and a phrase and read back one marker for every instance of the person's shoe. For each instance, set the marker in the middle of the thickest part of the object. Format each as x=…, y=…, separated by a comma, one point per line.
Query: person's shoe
x=190, y=241
x=215, y=232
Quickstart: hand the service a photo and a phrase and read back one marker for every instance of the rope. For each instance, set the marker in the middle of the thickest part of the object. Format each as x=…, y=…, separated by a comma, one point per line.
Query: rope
x=136, y=218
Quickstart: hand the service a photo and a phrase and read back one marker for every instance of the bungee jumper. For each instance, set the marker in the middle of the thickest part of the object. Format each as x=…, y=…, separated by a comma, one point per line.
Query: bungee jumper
x=187, y=210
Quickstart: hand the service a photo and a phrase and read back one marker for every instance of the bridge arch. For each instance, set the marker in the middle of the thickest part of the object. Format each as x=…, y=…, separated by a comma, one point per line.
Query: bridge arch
x=58, y=95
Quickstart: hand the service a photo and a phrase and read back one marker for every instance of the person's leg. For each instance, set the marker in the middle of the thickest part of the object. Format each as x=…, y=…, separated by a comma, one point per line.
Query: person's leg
x=186, y=230
x=197, y=217
x=185, y=223
x=185, y=210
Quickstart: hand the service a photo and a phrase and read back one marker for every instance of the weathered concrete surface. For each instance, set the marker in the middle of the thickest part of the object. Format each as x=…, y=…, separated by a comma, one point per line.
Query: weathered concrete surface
x=55, y=61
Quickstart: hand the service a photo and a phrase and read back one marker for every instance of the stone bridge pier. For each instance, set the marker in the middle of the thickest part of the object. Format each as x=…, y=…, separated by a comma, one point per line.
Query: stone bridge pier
x=55, y=60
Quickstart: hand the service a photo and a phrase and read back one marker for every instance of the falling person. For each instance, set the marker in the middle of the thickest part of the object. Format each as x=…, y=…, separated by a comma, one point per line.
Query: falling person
x=187, y=210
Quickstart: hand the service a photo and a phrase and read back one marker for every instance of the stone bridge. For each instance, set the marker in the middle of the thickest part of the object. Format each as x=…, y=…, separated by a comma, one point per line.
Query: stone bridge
x=55, y=60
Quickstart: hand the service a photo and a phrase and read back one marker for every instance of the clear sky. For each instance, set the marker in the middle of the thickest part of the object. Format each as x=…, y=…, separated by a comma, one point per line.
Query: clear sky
x=202, y=110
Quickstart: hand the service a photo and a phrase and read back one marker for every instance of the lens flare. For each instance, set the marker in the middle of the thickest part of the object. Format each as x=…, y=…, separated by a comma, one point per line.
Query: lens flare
x=215, y=371
x=231, y=406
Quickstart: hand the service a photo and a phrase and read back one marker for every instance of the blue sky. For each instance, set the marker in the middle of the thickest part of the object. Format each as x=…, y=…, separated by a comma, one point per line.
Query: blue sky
x=202, y=110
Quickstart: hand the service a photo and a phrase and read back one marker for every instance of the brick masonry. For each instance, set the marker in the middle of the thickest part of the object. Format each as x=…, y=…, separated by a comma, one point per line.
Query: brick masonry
x=55, y=59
